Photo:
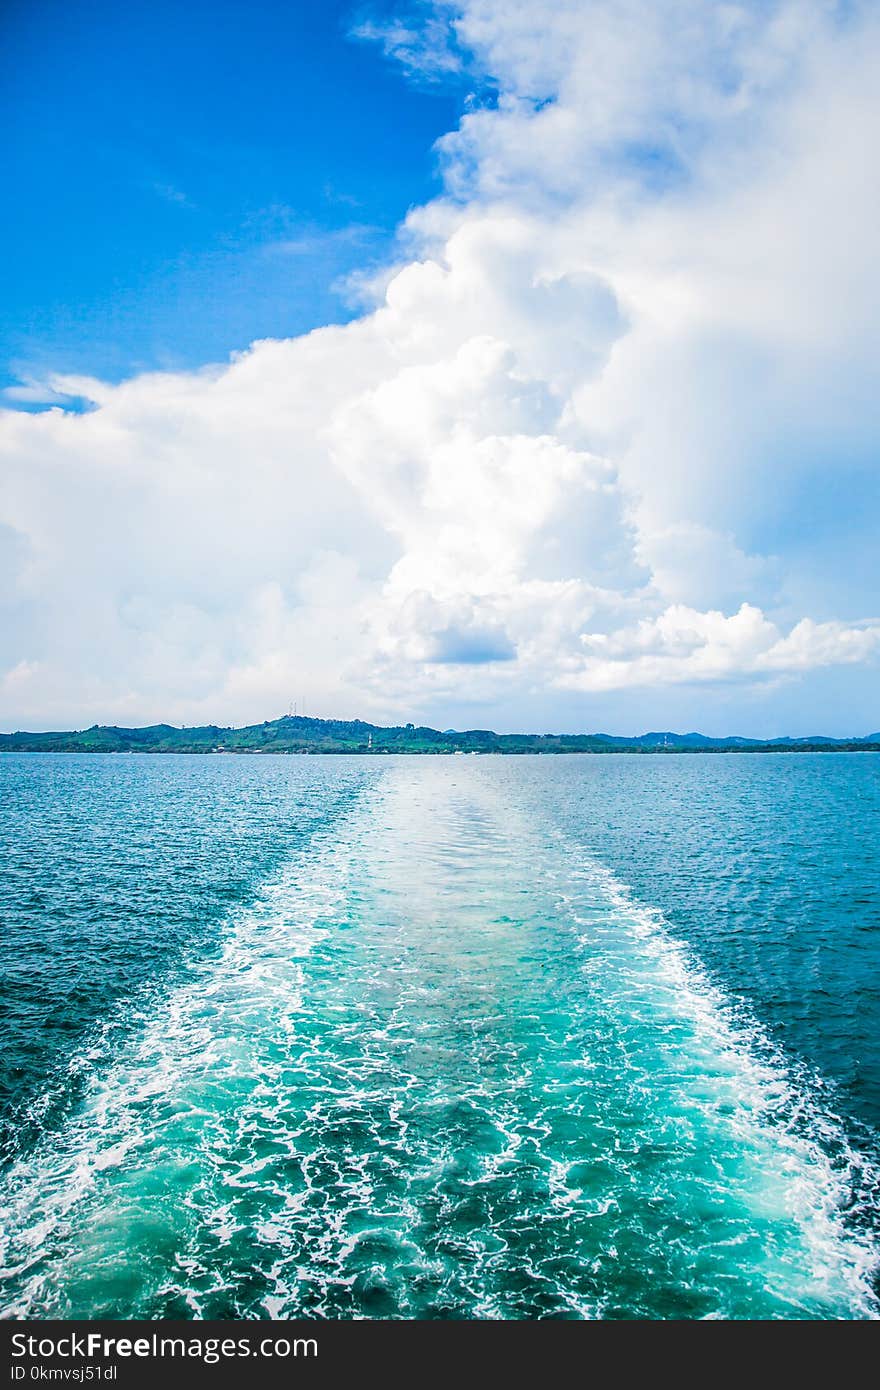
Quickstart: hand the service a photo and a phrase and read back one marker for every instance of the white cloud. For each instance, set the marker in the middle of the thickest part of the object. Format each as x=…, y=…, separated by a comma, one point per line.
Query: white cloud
x=424, y=47
x=606, y=429
x=684, y=644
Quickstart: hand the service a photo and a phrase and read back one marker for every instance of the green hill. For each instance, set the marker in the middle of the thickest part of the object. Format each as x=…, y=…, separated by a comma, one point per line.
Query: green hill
x=296, y=734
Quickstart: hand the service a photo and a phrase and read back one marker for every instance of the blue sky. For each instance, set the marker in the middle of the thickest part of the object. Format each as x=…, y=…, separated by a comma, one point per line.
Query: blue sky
x=593, y=446
x=190, y=177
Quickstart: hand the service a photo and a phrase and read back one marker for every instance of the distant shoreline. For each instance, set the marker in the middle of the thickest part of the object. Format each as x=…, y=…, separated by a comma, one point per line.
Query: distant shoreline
x=299, y=735
x=432, y=752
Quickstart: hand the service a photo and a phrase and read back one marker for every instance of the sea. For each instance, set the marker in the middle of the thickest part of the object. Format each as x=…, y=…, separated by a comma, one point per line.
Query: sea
x=440, y=1037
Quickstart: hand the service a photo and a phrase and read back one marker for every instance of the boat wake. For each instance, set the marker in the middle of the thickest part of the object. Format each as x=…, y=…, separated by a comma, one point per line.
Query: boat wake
x=442, y=1067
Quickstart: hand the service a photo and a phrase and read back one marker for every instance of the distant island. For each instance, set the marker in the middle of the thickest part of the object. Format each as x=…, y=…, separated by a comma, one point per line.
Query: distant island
x=297, y=734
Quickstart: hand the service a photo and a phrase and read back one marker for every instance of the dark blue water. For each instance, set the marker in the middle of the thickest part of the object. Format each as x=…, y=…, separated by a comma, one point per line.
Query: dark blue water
x=769, y=865
x=112, y=868
x=440, y=1037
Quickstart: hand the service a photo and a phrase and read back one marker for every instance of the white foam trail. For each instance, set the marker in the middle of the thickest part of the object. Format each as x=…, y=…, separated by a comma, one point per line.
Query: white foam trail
x=171, y=1052
x=183, y=1070
x=762, y=1098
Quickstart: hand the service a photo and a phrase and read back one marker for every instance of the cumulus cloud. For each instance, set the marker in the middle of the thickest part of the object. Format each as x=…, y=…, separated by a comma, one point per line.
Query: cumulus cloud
x=608, y=426
x=684, y=644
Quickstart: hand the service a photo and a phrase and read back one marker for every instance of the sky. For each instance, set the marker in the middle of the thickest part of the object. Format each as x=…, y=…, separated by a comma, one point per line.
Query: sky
x=189, y=178
x=484, y=363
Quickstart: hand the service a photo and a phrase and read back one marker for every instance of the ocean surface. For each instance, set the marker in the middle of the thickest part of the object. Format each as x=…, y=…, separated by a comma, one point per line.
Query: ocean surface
x=483, y=1037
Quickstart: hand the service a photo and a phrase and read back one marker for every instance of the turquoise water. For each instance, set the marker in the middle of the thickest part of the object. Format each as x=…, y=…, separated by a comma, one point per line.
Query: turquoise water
x=440, y=1037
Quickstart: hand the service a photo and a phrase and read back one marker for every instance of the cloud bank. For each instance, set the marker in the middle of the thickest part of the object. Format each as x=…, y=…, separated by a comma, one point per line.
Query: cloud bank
x=602, y=445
